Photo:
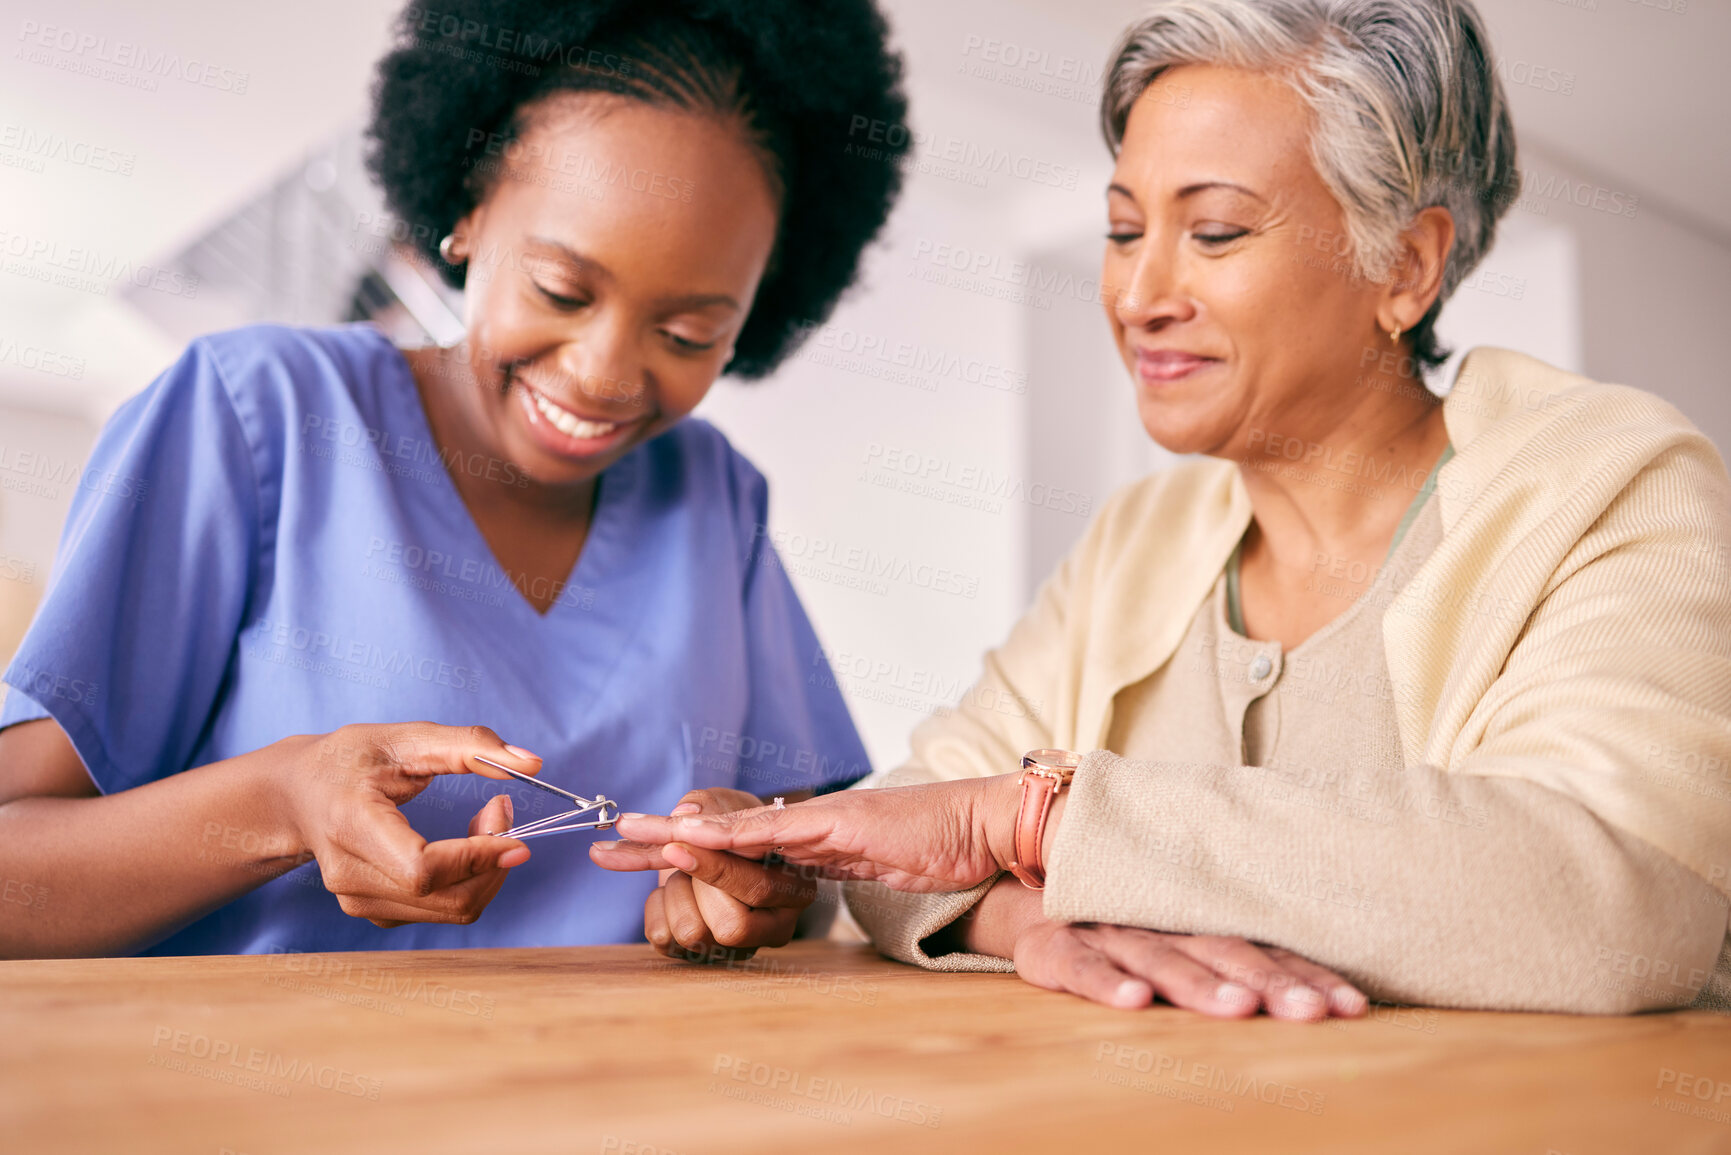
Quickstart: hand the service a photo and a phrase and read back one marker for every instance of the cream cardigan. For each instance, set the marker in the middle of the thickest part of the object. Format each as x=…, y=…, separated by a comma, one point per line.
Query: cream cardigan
x=1572, y=629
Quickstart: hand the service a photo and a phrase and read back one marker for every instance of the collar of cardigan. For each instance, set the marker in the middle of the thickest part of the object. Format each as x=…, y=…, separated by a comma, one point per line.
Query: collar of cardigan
x=1539, y=455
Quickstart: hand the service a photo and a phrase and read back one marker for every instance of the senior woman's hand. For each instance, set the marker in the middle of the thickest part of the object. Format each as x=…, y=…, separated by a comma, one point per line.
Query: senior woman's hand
x=1128, y=967
x=932, y=837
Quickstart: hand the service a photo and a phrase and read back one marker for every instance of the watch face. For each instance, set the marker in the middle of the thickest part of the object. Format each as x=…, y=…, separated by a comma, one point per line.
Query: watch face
x=1062, y=763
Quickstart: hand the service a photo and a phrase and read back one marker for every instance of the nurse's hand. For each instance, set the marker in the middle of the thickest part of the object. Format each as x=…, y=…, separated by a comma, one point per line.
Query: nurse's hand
x=340, y=792
x=712, y=906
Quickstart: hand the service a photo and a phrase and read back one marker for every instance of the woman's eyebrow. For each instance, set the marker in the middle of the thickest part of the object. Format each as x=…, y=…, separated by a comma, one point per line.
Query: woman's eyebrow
x=571, y=256
x=595, y=268
x=1190, y=190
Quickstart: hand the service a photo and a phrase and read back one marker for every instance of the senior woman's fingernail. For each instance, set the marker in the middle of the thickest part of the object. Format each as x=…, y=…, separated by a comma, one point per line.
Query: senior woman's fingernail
x=684, y=808
x=1233, y=993
x=1308, y=996
x=604, y=845
x=1348, y=1001
x=623, y=817
x=522, y=753
x=677, y=855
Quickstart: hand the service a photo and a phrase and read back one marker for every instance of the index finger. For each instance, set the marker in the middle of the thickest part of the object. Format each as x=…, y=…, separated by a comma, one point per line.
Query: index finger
x=761, y=828
x=429, y=748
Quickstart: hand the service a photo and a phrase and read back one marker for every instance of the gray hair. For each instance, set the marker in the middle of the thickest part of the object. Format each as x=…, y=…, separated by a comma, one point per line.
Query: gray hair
x=1409, y=111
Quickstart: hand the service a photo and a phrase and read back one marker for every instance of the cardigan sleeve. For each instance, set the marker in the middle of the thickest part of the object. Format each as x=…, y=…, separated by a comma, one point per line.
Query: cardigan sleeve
x=1468, y=891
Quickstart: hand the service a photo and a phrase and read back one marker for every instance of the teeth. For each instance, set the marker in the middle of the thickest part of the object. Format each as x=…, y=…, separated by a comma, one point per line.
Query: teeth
x=569, y=423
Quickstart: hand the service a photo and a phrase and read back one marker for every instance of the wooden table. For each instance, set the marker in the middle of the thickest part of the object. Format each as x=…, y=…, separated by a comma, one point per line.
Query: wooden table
x=819, y=1047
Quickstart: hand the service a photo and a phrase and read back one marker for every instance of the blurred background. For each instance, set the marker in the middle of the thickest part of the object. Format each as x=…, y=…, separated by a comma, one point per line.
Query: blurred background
x=963, y=412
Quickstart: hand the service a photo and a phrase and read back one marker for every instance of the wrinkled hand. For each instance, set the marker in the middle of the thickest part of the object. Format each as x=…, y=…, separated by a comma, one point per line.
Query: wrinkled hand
x=712, y=906
x=933, y=837
x=341, y=792
x=1127, y=968
x=1226, y=978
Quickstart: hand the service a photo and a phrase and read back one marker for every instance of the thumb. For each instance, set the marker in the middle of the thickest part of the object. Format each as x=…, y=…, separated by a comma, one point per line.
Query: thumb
x=749, y=881
x=627, y=856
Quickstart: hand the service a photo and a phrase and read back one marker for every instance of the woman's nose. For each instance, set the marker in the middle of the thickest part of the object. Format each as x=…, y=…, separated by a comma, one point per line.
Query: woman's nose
x=604, y=369
x=1152, y=293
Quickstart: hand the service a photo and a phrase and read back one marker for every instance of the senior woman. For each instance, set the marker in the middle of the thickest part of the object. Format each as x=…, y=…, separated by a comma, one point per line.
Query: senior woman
x=1414, y=691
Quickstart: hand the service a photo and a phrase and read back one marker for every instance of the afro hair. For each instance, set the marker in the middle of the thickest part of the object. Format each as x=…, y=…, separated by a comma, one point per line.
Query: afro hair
x=802, y=75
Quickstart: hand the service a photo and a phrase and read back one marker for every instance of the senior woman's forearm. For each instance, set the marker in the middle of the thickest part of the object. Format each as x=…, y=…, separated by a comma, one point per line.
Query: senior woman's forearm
x=1458, y=891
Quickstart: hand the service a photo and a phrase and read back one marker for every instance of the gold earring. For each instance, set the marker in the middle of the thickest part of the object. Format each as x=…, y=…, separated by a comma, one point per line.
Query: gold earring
x=1394, y=335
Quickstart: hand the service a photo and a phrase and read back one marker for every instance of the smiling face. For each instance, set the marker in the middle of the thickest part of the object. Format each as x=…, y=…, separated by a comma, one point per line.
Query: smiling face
x=1233, y=305
x=611, y=267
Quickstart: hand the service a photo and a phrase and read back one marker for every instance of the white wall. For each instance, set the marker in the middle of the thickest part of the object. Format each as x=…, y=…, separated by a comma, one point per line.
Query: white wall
x=1636, y=299
x=881, y=454
x=41, y=459
x=1654, y=289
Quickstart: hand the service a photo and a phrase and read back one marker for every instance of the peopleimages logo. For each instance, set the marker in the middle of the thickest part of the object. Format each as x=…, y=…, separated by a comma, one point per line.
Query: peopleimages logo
x=1540, y=192
x=797, y=552
x=45, y=146
x=793, y=1090
x=86, y=269
x=361, y=661
x=864, y=133
x=929, y=470
x=841, y=347
x=89, y=49
x=285, y=1070
x=427, y=23
x=1019, y=281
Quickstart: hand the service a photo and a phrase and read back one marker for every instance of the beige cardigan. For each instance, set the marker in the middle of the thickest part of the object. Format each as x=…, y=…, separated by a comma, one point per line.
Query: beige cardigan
x=1571, y=631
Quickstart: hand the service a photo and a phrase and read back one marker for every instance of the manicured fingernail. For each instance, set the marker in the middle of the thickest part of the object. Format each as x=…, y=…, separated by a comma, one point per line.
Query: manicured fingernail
x=605, y=845
x=1348, y=1001
x=1233, y=993
x=522, y=753
x=684, y=808
x=679, y=856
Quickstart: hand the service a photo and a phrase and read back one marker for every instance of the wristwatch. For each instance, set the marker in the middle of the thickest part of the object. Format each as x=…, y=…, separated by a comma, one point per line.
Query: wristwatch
x=1045, y=774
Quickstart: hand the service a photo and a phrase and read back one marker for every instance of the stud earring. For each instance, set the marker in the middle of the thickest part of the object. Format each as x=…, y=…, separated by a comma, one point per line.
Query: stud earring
x=448, y=249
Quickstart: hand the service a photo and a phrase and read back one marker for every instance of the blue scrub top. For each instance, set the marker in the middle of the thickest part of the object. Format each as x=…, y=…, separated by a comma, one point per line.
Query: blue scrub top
x=267, y=542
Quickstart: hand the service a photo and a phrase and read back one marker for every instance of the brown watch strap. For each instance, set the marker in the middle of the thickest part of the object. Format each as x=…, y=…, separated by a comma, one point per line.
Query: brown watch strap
x=1045, y=774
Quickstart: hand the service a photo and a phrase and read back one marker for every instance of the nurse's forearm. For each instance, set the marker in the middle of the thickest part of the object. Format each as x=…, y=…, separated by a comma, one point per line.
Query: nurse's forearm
x=110, y=875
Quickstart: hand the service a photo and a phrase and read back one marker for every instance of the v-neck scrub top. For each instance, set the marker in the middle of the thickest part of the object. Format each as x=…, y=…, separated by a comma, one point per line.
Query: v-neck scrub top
x=278, y=548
